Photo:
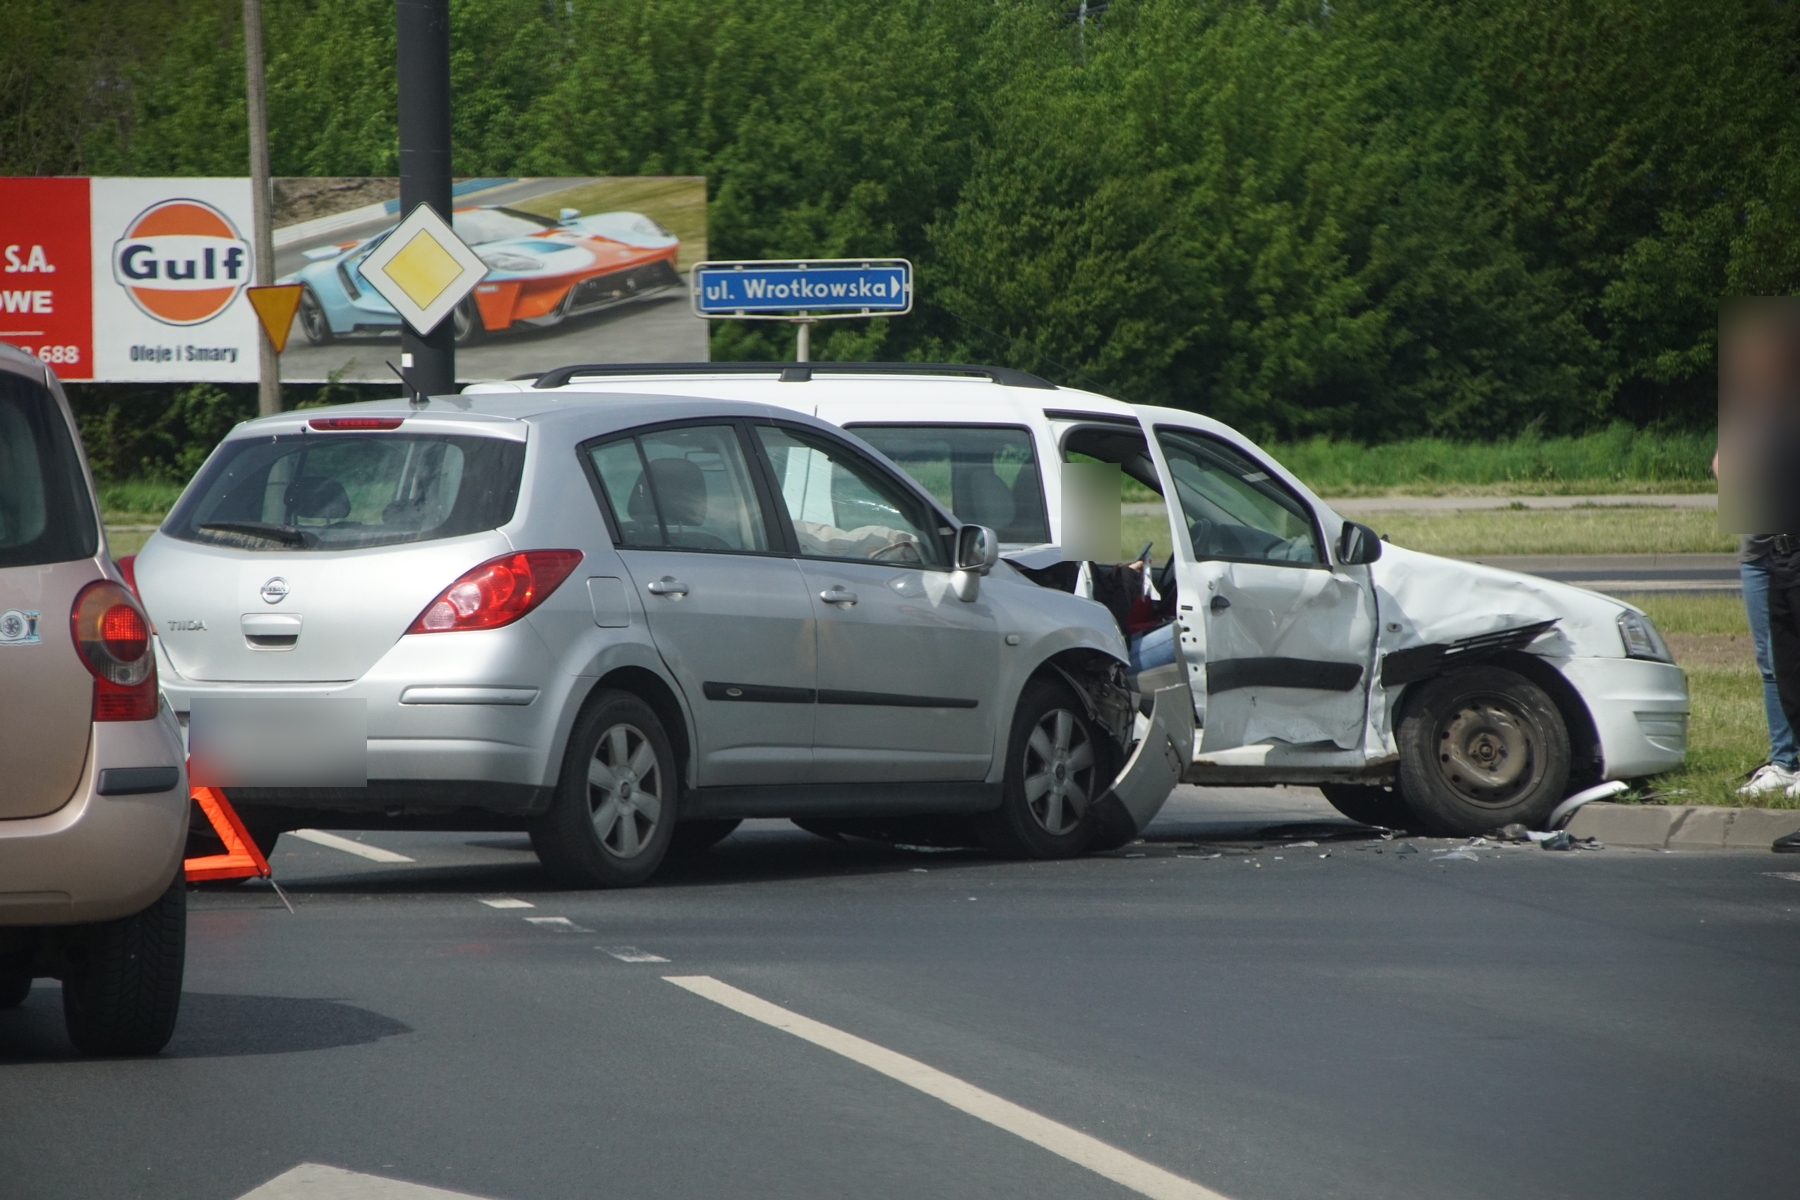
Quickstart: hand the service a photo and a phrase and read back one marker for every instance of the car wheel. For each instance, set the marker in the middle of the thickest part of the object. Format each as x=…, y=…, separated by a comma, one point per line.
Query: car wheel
x=1482, y=748
x=313, y=321
x=15, y=986
x=465, y=319
x=614, y=813
x=692, y=838
x=1369, y=804
x=122, y=987
x=1056, y=764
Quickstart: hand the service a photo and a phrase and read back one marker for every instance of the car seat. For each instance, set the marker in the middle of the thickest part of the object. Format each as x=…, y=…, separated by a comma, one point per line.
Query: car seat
x=681, y=495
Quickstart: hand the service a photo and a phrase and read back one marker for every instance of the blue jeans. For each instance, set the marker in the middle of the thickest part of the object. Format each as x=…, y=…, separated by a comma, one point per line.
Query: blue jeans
x=1755, y=576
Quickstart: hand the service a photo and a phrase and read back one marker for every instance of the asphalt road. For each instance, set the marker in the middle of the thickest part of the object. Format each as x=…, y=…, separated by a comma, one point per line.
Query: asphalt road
x=1249, y=1015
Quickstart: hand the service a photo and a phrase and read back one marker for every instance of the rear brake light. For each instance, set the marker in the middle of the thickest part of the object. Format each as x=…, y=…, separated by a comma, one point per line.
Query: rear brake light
x=498, y=592
x=113, y=638
x=348, y=424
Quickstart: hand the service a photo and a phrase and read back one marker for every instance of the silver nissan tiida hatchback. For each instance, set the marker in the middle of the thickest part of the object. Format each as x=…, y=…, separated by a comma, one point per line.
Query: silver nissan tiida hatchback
x=624, y=622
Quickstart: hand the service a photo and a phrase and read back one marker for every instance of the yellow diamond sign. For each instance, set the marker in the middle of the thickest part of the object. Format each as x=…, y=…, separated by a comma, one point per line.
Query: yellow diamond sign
x=423, y=269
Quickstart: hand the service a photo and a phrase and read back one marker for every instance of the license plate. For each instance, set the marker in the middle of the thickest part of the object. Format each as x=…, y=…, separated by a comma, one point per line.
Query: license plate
x=278, y=741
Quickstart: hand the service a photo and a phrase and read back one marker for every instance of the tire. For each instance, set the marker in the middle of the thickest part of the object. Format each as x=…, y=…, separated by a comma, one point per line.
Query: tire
x=609, y=827
x=694, y=838
x=122, y=988
x=1369, y=804
x=15, y=986
x=466, y=321
x=1045, y=812
x=313, y=321
x=1482, y=748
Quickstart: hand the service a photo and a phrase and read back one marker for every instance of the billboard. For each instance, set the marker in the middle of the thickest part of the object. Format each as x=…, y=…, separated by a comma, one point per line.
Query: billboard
x=141, y=280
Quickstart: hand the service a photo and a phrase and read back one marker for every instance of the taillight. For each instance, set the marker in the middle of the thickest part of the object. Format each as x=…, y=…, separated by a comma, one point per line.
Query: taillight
x=349, y=424
x=498, y=592
x=113, y=639
x=128, y=568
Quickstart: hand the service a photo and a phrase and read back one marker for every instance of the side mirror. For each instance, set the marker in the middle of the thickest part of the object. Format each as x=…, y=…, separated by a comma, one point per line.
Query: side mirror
x=977, y=549
x=1358, y=545
x=565, y=215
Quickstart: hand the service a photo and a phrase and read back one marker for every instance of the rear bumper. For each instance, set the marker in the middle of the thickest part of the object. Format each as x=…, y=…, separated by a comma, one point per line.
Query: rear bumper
x=1640, y=711
x=455, y=710
x=100, y=856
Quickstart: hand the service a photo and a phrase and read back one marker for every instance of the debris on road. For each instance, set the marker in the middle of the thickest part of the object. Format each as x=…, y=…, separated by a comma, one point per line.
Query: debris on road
x=1460, y=854
x=1406, y=848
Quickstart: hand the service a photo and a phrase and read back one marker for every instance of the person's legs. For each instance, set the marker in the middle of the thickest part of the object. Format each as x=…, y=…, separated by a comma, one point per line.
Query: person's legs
x=1755, y=576
x=1784, y=648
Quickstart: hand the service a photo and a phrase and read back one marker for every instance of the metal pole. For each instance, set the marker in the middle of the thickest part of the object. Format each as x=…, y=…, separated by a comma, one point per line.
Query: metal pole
x=803, y=341
x=423, y=29
x=268, y=389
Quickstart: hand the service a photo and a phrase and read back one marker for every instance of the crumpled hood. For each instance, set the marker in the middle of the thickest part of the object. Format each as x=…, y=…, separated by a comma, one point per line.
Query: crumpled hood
x=1436, y=599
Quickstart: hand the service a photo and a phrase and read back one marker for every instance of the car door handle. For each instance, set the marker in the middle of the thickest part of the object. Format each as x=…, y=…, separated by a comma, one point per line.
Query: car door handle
x=1219, y=604
x=668, y=587
x=838, y=594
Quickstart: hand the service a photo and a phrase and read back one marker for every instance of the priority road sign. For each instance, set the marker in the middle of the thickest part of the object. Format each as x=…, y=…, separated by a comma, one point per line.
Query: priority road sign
x=811, y=289
x=423, y=269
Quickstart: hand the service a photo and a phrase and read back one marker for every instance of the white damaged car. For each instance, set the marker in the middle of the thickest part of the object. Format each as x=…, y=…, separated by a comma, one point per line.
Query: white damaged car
x=1413, y=689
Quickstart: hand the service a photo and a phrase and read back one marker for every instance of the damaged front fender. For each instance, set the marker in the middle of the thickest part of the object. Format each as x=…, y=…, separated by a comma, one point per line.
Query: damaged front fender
x=1156, y=765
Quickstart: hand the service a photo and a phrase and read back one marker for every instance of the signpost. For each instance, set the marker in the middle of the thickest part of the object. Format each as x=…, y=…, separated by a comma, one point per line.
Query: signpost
x=422, y=28
x=803, y=291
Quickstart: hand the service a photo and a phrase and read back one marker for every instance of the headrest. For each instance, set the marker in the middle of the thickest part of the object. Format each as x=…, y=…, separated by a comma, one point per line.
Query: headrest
x=318, y=497
x=680, y=491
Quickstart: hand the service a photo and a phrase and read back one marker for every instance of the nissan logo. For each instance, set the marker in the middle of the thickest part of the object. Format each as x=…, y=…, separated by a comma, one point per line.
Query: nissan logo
x=274, y=590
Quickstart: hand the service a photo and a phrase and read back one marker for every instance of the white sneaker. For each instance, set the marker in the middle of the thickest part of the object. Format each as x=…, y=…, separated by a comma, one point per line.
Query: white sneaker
x=1772, y=777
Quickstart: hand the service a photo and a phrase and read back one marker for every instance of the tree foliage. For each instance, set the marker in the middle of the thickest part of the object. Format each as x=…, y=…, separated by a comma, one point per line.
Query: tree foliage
x=1366, y=219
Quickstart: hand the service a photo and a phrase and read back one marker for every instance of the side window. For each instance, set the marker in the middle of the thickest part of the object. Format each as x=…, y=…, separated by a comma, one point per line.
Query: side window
x=985, y=474
x=1234, y=508
x=687, y=489
x=843, y=506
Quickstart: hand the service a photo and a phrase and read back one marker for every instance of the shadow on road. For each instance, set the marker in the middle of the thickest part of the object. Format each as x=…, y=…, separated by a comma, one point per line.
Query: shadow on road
x=211, y=1025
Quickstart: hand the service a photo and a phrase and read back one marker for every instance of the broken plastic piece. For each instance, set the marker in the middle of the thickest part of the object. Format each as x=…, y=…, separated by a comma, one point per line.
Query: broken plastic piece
x=1560, y=840
x=1460, y=854
x=1559, y=816
x=1406, y=848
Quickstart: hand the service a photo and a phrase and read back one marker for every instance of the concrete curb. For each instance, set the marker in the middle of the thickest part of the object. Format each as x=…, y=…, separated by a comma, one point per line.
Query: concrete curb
x=1684, y=828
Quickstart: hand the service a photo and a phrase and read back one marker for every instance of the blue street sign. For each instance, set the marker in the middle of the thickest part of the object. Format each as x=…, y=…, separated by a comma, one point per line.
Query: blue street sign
x=819, y=288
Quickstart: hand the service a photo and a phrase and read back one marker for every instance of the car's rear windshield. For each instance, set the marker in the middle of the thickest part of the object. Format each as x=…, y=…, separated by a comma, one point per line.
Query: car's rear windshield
x=348, y=491
x=46, y=514
x=985, y=474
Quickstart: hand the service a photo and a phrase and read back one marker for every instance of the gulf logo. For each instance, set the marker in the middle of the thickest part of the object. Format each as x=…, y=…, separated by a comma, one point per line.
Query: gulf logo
x=182, y=261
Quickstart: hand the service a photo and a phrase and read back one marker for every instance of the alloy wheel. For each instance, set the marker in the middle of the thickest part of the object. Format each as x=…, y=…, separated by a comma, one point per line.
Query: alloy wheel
x=1059, y=771
x=625, y=790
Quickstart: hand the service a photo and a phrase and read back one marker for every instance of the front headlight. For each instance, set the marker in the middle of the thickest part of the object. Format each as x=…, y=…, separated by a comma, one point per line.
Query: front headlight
x=1641, y=639
x=511, y=262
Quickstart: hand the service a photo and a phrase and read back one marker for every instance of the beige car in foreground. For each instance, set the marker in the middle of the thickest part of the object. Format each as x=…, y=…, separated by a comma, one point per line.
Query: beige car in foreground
x=93, y=787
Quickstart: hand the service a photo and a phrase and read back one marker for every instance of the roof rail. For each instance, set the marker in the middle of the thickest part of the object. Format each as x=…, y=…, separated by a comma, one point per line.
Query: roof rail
x=792, y=372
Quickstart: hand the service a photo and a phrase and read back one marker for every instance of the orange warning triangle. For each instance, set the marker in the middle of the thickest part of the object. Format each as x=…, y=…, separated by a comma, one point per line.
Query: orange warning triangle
x=275, y=306
x=241, y=860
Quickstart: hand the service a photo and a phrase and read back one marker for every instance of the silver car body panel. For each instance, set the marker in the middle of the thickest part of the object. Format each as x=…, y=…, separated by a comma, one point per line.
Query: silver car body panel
x=1328, y=613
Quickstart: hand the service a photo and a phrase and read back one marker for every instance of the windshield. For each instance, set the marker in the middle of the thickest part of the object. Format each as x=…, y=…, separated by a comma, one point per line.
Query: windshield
x=45, y=513
x=985, y=474
x=478, y=225
x=340, y=491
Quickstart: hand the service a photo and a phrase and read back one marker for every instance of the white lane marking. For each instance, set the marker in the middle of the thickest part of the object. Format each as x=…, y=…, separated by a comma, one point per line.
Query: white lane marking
x=319, y=837
x=316, y=1181
x=632, y=954
x=508, y=902
x=558, y=925
x=1128, y=1170
x=1793, y=875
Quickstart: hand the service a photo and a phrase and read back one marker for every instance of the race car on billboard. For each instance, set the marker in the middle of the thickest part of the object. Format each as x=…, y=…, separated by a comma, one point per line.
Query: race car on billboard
x=540, y=272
